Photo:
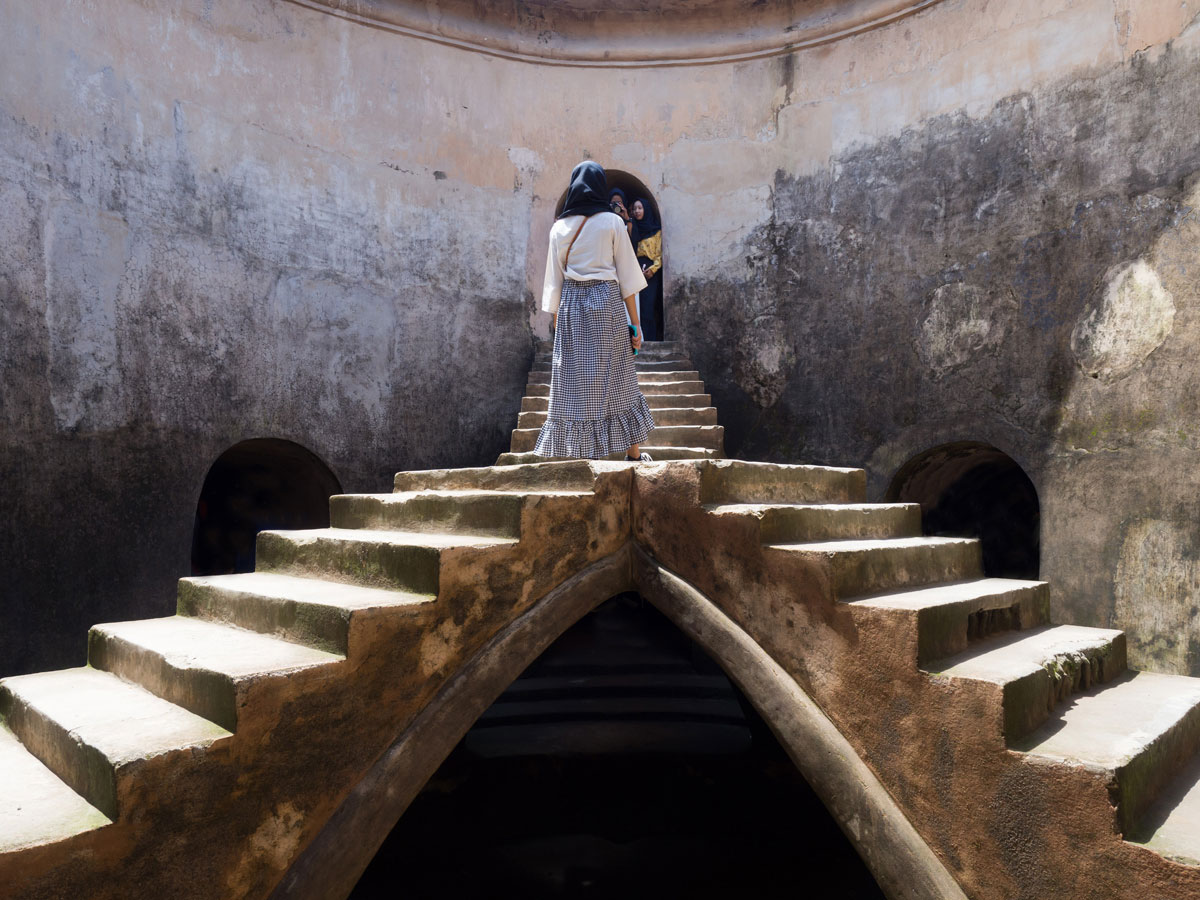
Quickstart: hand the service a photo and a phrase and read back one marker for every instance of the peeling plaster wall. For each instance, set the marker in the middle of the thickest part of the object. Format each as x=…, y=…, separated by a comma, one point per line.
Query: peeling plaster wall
x=249, y=219
x=1001, y=246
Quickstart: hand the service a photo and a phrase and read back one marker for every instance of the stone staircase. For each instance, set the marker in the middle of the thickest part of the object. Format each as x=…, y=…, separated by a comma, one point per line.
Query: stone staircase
x=197, y=754
x=684, y=415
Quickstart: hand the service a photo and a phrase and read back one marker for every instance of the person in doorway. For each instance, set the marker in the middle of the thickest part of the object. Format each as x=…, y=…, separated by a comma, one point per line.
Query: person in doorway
x=591, y=289
x=620, y=205
x=647, y=238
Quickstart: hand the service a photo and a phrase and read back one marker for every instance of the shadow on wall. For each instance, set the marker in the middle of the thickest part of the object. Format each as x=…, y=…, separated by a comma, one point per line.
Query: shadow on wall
x=253, y=486
x=970, y=489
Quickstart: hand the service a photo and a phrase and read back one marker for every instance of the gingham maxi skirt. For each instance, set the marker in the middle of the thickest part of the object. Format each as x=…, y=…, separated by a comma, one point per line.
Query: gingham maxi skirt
x=595, y=407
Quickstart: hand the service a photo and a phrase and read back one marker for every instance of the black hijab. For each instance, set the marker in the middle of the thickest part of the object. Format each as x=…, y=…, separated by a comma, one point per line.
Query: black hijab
x=588, y=193
x=647, y=225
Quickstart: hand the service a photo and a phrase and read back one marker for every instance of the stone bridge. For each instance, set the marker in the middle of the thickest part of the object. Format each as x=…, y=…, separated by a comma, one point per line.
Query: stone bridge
x=263, y=741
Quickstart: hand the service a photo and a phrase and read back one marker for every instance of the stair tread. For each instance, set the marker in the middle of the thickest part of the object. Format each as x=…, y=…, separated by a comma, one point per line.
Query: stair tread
x=779, y=504
x=864, y=544
x=189, y=643
x=36, y=806
x=311, y=590
x=1171, y=827
x=467, y=494
x=1108, y=726
x=430, y=539
x=945, y=594
x=1014, y=655
x=123, y=721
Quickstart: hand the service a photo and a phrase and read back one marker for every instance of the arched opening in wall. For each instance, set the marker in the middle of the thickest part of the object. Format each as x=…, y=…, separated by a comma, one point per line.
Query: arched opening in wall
x=652, y=298
x=972, y=489
x=253, y=486
x=622, y=763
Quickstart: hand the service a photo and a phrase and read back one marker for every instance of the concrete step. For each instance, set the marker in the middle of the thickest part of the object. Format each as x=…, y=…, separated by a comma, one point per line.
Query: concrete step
x=737, y=481
x=656, y=401
x=1034, y=671
x=1171, y=825
x=710, y=436
x=648, y=388
x=947, y=617
x=650, y=348
x=662, y=417
x=783, y=522
x=644, y=377
x=659, y=363
x=1143, y=730
x=660, y=454
x=302, y=610
x=873, y=566
x=94, y=731
x=493, y=513
x=572, y=475
x=36, y=806
x=208, y=668
x=399, y=560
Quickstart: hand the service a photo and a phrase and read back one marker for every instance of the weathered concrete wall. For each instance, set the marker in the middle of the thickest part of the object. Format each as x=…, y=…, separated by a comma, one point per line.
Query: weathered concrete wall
x=219, y=222
x=999, y=253
x=256, y=219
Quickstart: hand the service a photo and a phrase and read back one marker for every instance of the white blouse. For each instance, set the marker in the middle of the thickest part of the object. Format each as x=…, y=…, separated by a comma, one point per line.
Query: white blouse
x=602, y=252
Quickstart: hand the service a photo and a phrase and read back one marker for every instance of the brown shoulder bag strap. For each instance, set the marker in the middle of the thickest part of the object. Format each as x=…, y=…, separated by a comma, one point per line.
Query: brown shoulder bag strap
x=572, y=244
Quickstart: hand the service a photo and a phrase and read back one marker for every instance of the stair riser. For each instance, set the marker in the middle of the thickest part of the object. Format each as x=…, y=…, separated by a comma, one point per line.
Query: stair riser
x=644, y=377
x=324, y=627
x=1030, y=701
x=82, y=767
x=740, y=483
x=655, y=401
x=830, y=524
x=709, y=436
x=497, y=515
x=943, y=631
x=370, y=564
x=660, y=454
x=210, y=695
x=675, y=387
x=558, y=476
x=651, y=350
x=668, y=362
x=662, y=417
x=1140, y=782
x=874, y=571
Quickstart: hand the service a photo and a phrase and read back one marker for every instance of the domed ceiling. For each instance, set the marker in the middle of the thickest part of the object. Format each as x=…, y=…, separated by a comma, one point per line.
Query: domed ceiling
x=626, y=32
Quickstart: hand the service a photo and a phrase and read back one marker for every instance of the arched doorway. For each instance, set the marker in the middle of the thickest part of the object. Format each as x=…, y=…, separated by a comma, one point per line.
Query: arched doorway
x=973, y=489
x=622, y=763
x=634, y=189
x=256, y=485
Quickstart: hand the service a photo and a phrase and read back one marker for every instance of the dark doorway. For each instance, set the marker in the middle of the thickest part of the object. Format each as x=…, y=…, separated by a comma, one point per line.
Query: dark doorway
x=974, y=490
x=253, y=486
x=623, y=763
x=636, y=189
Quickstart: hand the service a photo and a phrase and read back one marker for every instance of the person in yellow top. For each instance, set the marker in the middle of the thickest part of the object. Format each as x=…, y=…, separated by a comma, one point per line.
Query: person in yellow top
x=647, y=241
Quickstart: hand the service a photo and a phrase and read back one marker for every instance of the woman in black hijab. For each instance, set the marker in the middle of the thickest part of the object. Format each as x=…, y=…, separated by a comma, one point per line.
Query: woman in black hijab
x=647, y=238
x=591, y=289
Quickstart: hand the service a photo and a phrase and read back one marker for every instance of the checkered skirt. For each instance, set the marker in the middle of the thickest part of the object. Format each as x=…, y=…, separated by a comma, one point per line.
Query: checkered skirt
x=596, y=407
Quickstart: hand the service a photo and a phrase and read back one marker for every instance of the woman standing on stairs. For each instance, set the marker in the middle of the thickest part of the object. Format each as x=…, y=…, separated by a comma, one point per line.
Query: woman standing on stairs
x=591, y=291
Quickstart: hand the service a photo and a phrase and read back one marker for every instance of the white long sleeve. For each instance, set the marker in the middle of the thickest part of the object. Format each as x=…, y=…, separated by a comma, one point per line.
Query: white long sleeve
x=602, y=252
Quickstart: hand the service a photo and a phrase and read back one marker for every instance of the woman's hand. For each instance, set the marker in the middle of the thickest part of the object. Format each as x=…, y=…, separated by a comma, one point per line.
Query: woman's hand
x=636, y=339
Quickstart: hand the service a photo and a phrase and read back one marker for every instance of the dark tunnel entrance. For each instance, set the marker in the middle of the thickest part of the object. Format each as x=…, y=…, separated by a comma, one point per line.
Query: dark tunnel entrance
x=974, y=490
x=623, y=763
x=635, y=189
x=253, y=486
